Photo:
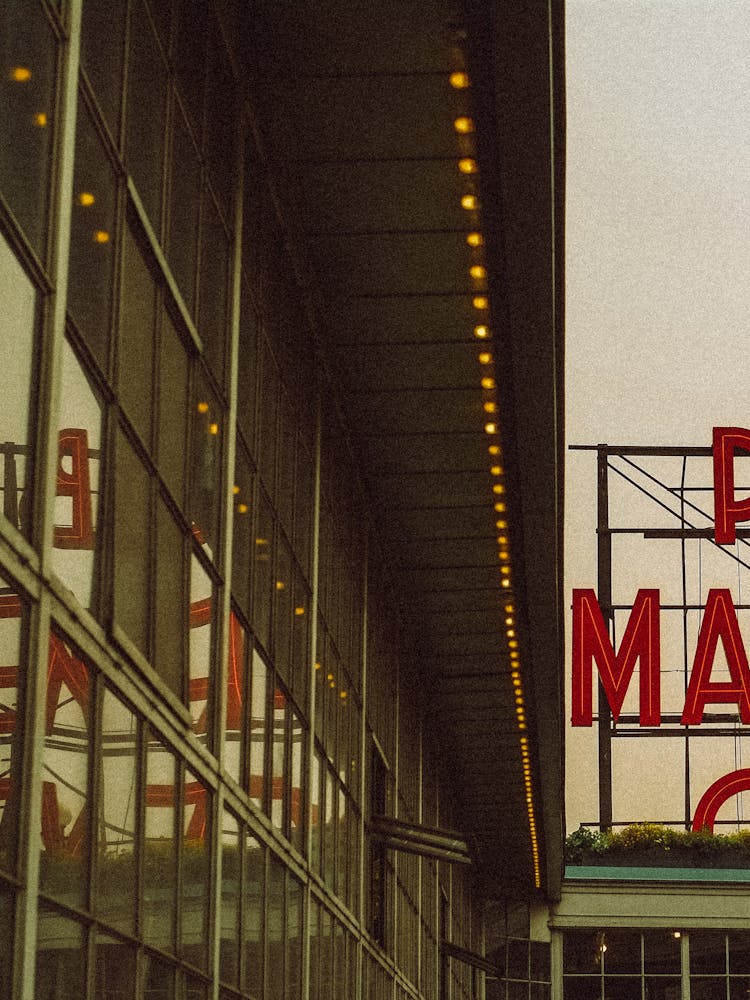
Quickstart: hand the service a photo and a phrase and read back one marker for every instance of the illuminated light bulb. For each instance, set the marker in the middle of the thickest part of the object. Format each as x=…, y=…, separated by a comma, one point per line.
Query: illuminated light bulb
x=202, y=407
x=480, y=302
x=503, y=556
x=513, y=644
x=332, y=684
x=242, y=508
x=342, y=695
x=235, y=489
x=213, y=428
x=459, y=80
x=514, y=656
x=478, y=272
x=498, y=488
x=40, y=119
x=494, y=449
x=280, y=585
x=511, y=633
x=261, y=541
x=676, y=934
x=318, y=666
x=299, y=611
x=86, y=198
x=329, y=677
x=475, y=239
x=505, y=583
x=505, y=570
x=485, y=358
x=500, y=508
x=469, y=202
x=509, y=608
x=467, y=165
x=481, y=332
x=496, y=470
x=463, y=125
x=20, y=74
x=490, y=407
x=490, y=428
x=489, y=383
x=509, y=620
x=101, y=236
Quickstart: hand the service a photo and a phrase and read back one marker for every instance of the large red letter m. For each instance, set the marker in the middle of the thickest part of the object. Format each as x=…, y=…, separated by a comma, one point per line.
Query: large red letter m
x=591, y=643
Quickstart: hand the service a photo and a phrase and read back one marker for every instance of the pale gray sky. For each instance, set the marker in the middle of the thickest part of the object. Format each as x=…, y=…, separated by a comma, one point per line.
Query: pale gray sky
x=658, y=245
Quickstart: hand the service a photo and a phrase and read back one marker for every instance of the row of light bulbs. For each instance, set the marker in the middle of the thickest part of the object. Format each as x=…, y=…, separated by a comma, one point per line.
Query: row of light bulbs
x=464, y=128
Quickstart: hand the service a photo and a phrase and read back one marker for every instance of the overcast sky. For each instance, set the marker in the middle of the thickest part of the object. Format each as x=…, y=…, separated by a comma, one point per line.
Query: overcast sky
x=658, y=245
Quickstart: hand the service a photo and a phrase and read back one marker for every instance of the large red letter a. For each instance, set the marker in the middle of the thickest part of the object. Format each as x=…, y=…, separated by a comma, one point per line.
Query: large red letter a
x=591, y=642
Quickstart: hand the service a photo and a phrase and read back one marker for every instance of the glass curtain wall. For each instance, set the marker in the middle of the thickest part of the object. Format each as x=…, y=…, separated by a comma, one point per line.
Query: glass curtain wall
x=200, y=688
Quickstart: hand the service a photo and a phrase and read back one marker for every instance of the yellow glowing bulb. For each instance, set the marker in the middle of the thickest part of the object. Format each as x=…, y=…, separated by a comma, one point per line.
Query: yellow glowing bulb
x=503, y=556
x=481, y=332
x=490, y=407
x=478, y=272
x=235, y=489
x=501, y=525
x=500, y=507
x=489, y=383
x=463, y=124
x=490, y=428
x=213, y=428
x=299, y=611
x=280, y=585
x=494, y=449
x=86, y=198
x=101, y=236
x=496, y=470
x=510, y=632
x=318, y=666
x=467, y=165
x=242, y=508
x=498, y=488
x=261, y=541
x=509, y=609
x=459, y=81
x=480, y=302
x=503, y=540
x=508, y=620
x=469, y=202
x=40, y=119
x=474, y=239
x=329, y=677
x=202, y=407
x=20, y=74
x=342, y=695
x=485, y=358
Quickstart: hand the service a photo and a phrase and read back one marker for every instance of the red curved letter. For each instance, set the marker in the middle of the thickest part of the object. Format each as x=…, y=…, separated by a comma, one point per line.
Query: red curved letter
x=727, y=786
x=727, y=510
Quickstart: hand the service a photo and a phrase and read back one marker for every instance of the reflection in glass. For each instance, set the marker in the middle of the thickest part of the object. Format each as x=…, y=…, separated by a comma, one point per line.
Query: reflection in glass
x=173, y=408
x=65, y=783
x=201, y=631
x=60, y=958
x=159, y=978
x=253, y=926
x=115, y=968
x=116, y=817
x=159, y=868
x=276, y=930
x=235, y=719
x=18, y=305
x=212, y=304
x=242, y=535
x=195, y=881
x=6, y=942
x=102, y=37
x=257, y=750
x=27, y=115
x=262, y=572
x=205, y=466
x=294, y=939
x=131, y=555
x=229, y=952
x=12, y=682
x=184, y=208
x=297, y=813
x=136, y=341
x=92, y=239
x=279, y=761
x=74, y=557
x=170, y=606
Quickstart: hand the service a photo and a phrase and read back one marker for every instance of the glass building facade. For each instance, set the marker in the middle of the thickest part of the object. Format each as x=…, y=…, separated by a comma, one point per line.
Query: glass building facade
x=202, y=701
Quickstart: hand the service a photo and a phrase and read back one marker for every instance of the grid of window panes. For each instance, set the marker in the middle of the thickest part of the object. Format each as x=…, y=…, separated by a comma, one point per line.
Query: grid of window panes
x=183, y=821
x=655, y=963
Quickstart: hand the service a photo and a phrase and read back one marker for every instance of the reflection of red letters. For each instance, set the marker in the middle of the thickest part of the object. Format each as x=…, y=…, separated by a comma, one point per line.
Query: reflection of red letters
x=79, y=534
x=591, y=642
x=719, y=622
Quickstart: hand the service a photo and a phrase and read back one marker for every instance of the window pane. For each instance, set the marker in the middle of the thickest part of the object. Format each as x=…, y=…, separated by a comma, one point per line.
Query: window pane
x=116, y=818
x=243, y=530
x=60, y=959
x=258, y=729
x=136, y=351
x=253, y=925
x=263, y=572
x=159, y=979
x=18, y=306
x=739, y=952
x=297, y=806
x=27, y=73
x=184, y=209
x=145, y=114
x=294, y=940
x=707, y=952
x=195, y=879
x=74, y=556
x=131, y=544
x=622, y=951
x=229, y=952
x=279, y=760
x=170, y=606
x=159, y=869
x=212, y=305
x=582, y=988
x=173, y=409
x=276, y=930
x=115, y=969
x=661, y=951
x=582, y=951
x=102, y=38
x=205, y=488
x=92, y=239
x=65, y=783
x=7, y=902
x=202, y=603
x=12, y=683
x=239, y=644
x=248, y=365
